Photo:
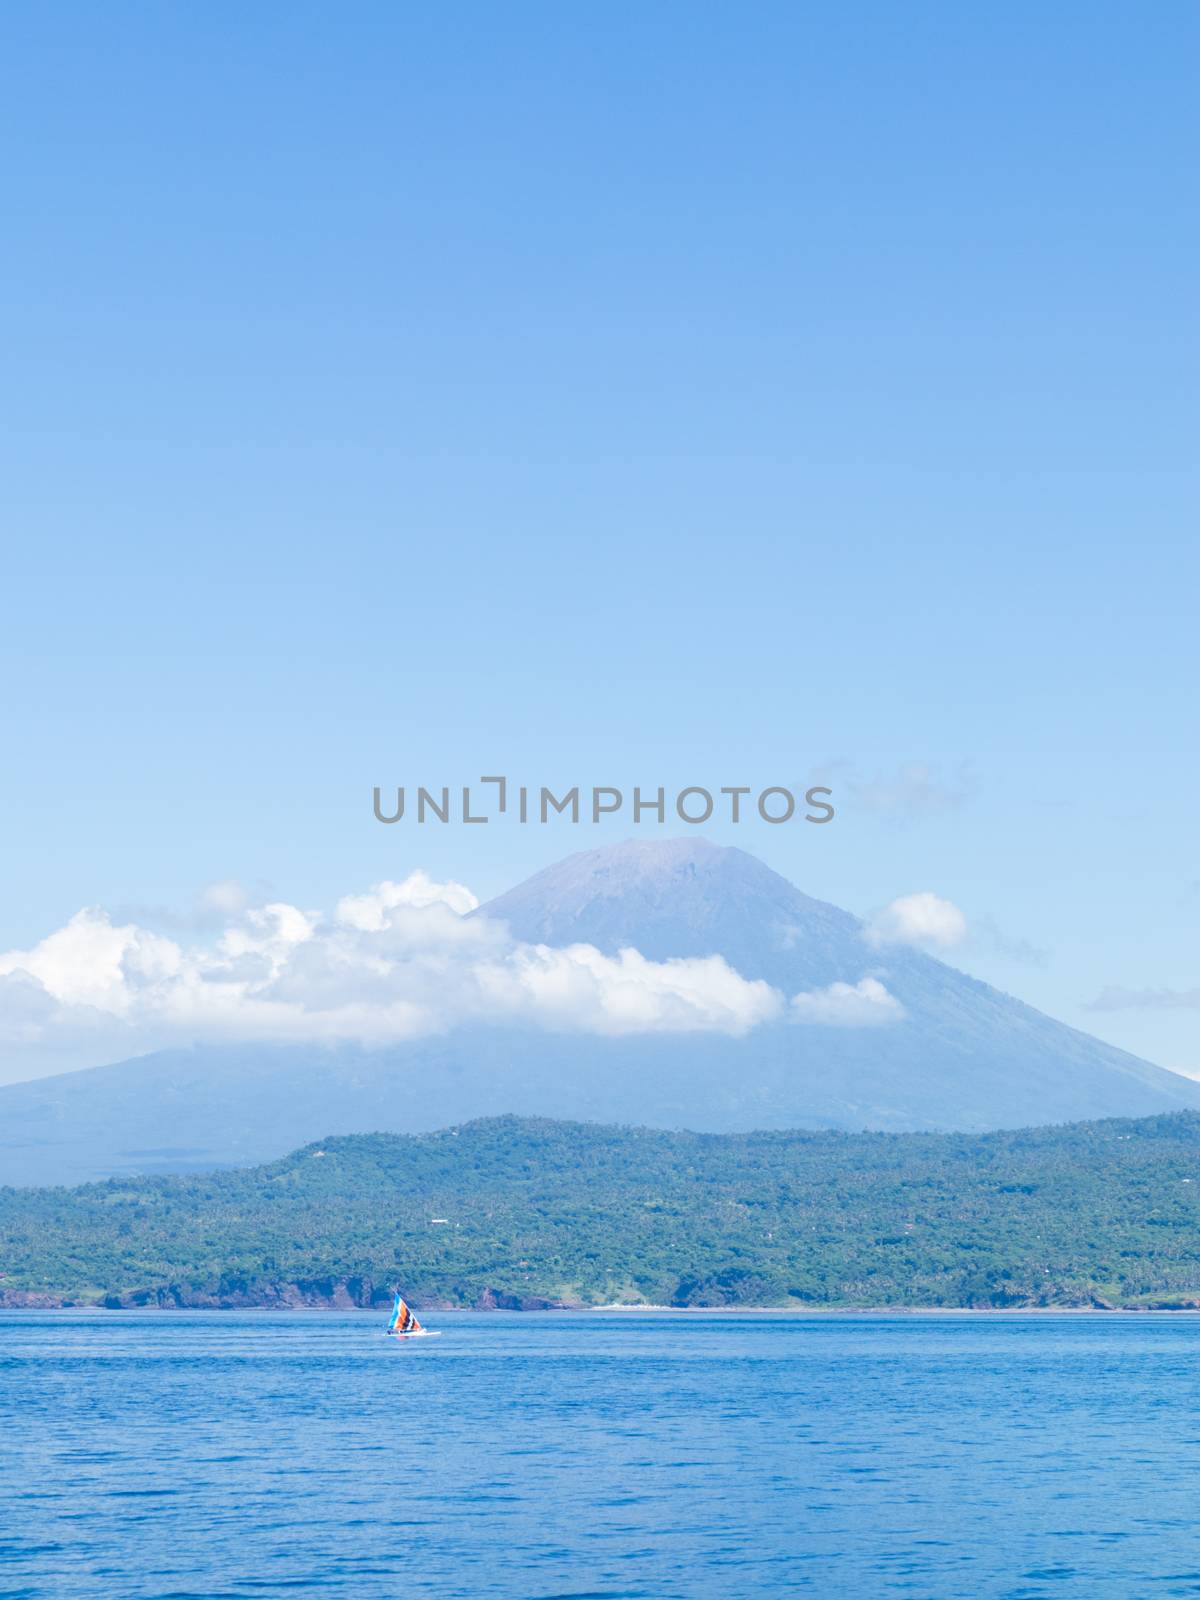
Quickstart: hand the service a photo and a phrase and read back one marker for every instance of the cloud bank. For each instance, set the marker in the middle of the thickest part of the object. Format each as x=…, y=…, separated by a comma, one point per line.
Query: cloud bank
x=397, y=962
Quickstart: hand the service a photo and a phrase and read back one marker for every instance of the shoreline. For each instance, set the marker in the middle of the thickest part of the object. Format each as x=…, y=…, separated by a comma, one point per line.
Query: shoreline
x=618, y=1309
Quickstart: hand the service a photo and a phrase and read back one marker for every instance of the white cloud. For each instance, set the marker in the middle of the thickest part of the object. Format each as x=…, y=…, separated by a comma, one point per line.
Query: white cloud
x=371, y=911
x=864, y=1004
x=923, y=919
x=91, y=962
x=395, y=963
x=580, y=988
x=398, y=962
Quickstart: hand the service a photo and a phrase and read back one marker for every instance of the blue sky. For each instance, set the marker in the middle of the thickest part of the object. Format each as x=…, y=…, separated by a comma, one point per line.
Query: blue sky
x=651, y=395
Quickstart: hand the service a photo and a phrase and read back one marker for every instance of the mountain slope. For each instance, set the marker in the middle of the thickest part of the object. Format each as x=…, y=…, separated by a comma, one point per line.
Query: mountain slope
x=964, y=1056
x=525, y=1212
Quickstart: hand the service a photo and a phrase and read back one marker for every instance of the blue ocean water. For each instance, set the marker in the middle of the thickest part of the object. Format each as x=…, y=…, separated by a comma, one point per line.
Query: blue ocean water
x=614, y=1455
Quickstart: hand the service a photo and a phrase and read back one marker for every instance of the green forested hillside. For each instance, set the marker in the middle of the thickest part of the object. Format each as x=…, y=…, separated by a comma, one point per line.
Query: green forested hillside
x=515, y=1211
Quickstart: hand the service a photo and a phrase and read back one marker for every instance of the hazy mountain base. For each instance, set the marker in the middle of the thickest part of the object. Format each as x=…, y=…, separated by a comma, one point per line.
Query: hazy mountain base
x=532, y=1213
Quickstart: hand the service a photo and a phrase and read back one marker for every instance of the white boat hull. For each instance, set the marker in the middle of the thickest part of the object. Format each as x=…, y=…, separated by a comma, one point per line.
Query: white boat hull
x=423, y=1333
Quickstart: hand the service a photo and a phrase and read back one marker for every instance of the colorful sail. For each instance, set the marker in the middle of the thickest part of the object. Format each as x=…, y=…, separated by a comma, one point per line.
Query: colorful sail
x=402, y=1320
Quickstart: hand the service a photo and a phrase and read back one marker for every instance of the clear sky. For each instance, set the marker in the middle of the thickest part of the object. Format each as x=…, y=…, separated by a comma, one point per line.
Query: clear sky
x=627, y=394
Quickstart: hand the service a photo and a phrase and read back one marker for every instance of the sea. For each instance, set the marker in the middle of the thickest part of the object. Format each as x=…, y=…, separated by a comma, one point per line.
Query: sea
x=599, y=1456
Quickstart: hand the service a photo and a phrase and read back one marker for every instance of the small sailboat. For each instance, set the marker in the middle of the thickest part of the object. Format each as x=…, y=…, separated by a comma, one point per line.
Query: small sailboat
x=402, y=1324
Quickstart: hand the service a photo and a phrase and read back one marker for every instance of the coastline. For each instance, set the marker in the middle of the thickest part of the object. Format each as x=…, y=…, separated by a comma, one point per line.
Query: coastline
x=618, y=1309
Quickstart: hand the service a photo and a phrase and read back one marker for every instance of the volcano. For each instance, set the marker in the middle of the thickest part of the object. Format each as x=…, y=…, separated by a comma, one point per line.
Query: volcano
x=953, y=1054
